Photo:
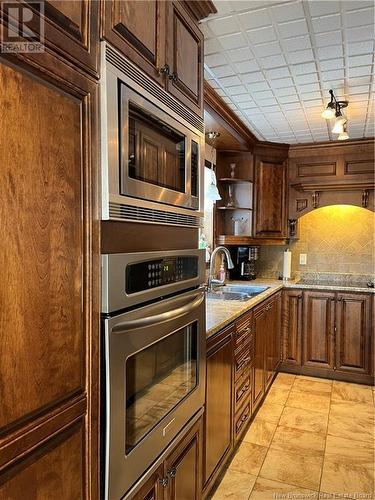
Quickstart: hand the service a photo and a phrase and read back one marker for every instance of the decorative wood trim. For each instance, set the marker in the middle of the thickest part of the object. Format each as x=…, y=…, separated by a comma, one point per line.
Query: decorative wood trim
x=348, y=186
x=331, y=144
x=365, y=197
x=301, y=204
x=306, y=166
x=347, y=170
x=200, y=10
x=224, y=239
x=315, y=199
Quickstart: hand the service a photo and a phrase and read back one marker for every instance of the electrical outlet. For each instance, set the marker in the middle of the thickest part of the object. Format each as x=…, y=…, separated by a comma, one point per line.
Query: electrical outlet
x=303, y=259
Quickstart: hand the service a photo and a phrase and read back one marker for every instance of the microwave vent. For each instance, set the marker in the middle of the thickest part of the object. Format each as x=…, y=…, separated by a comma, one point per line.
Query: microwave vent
x=150, y=215
x=152, y=88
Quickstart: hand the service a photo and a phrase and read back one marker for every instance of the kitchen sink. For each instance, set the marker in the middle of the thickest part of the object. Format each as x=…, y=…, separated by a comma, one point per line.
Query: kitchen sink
x=236, y=292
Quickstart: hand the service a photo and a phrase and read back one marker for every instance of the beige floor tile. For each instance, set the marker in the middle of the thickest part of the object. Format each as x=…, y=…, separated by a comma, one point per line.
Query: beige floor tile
x=235, y=485
x=340, y=478
x=352, y=421
x=308, y=401
x=349, y=452
x=260, y=432
x=312, y=386
x=267, y=489
x=295, y=440
x=270, y=412
x=249, y=458
x=284, y=380
x=315, y=379
x=292, y=468
x=277, y=395
x=356, y=393
x=305, y=420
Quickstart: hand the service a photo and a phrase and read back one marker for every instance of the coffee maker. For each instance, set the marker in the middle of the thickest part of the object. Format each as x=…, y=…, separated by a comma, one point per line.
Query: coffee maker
x=244, y=263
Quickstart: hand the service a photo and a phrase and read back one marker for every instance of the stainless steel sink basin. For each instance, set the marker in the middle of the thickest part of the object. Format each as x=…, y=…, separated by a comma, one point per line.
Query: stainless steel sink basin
x=236, y=292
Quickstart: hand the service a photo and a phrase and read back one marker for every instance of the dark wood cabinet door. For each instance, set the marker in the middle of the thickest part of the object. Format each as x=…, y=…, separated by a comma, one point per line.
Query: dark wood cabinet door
x=318, y=329
x=185, y=58
x=260, y=332
x=218, y=413
x=69, y=28
x=292, y=327
x=275, y=322
x=137, y=29
x=183, y=468
x=270, y=194
x=353, y=333
x=152, y=489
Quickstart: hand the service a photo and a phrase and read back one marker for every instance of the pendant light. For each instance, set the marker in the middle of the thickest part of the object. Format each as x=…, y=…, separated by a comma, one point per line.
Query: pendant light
x=344, y=134
x=329, y=112
x=340, y=121
x=333, y=110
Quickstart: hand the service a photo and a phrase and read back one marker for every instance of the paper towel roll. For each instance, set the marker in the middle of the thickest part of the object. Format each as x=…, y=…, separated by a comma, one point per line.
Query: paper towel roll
x=287, y=266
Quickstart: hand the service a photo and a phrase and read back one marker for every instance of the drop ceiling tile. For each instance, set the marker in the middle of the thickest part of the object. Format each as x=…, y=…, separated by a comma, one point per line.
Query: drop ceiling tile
x=360, y=60
x=255, y=19
x=221, y=71
x=242, y=99
x=300, y=56
x=235, y=90
x=331, y=64
x=362, y=33
x=304, y=79
x=311, y=95
x=359, y=89
x=357, y=48
x=359, y=17
x=320, y=8
x=246, y=66
x=291, y=105
x=282, y=82
x=249, y=105
x=332, y=75
x=233, y=41
x=297, y=43
x=326, y=39
x=258, y=86
x=286, y=99
x=239, y=55
x=267, y=49
x=278, y=73
x=330, y=52
x=361, y=80
x=224, y=26
x=284, y=91
x=360, y=71
x=211, y=46
x=262, y=35
x=229, y=81
x=301, y=69
x=326, y=23
x=215, y=60
x=293, y=29
x=252, y=77
x=272, y=61
x=266, y=102
x=310, y=87
x=288, y=12
x=262, y=95
x=312, y=104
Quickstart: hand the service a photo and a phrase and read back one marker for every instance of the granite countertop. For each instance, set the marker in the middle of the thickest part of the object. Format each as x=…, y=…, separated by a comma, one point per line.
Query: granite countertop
x=220, y=312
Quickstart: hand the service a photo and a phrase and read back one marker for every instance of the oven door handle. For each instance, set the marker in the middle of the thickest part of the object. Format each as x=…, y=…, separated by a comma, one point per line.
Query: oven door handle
x=159, y=318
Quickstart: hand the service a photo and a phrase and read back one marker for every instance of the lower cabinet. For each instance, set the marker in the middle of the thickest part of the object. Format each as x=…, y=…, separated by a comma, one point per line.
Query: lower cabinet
x=179, y=476
x=328, y=334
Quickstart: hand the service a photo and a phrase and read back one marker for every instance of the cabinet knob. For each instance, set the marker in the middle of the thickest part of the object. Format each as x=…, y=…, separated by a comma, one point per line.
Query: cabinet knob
x=164, y=482
x=173, y=76
x=299, y=297
x=340, y=299
x=164, y=70
x=172, y=472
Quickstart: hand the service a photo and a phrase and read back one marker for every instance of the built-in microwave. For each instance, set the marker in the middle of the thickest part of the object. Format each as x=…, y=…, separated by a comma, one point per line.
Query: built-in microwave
x=152, y=149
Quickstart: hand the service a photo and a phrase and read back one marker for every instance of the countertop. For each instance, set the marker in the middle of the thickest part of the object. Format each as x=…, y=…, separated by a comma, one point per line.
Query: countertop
x=220, y=313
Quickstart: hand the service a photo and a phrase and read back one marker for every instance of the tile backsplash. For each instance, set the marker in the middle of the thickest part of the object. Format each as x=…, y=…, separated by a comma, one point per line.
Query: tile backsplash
x=336, y=239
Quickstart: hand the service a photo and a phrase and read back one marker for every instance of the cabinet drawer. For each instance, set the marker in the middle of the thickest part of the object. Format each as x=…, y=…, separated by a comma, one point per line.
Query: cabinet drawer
x=242, y=334
x=242, y=389
x=242, y=419
x=241, y=361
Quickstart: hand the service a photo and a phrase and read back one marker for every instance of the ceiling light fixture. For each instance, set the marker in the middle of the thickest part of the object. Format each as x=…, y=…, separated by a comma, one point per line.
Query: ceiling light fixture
x=212, y=135
x=332, y=110
x=344, y=134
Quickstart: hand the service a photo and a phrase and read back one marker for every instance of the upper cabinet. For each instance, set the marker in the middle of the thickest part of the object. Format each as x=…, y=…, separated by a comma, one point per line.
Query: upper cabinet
x=164, y=40
x=138, y=30
x=185, y=58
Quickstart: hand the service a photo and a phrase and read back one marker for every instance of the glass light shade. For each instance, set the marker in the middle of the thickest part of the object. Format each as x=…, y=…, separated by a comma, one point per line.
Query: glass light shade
x=212, y=193
x=338, y=128
x=343, y=136
x=328, y=113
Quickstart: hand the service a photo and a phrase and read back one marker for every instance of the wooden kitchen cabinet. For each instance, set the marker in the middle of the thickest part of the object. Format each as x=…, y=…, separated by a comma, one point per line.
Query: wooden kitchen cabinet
x=185, y=58
x=152, y=489
x=260, y=332
x=218, y=410
x=353, y=333
x=318, y=329
x=270, y=199
x=273, y=339
x=292, y=327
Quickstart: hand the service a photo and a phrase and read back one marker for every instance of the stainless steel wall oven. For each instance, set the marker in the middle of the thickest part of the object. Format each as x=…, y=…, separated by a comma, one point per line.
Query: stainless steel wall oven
x=154, y=350
x=153, y=149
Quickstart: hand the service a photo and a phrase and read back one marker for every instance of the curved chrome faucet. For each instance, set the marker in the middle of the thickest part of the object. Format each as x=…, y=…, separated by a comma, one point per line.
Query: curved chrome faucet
x=211, y=279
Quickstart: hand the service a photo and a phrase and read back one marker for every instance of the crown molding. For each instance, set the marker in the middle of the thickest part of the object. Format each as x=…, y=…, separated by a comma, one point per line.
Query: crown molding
x=200, y=9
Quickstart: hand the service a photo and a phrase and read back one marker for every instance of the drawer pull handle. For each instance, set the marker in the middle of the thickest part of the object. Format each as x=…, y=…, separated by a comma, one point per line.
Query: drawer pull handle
x=242, y=391
x=172, y=472
x=164, y=70
x=243, y=362
x=173, y=76
x=164, y=482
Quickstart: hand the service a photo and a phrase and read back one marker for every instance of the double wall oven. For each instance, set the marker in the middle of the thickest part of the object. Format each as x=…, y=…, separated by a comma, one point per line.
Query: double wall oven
x=152, y=149
x=154, y=357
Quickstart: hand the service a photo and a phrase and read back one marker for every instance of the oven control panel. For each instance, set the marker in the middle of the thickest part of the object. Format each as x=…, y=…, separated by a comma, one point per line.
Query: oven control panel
x=141, y=276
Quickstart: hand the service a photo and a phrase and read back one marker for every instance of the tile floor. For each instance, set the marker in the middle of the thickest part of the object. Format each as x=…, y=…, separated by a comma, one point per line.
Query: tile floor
x=312, y=438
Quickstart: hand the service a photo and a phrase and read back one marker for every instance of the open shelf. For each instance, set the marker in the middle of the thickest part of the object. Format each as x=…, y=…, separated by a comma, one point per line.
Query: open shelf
x=227, y=239
x=235, y=181
x=234, y=208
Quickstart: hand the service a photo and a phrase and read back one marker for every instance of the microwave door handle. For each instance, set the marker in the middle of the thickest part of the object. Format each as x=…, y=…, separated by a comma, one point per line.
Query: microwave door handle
x=159, y=318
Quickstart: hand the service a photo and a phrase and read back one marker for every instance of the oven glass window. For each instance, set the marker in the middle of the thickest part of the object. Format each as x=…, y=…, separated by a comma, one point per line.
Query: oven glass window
x=156, y=151
x=157, y=379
